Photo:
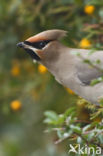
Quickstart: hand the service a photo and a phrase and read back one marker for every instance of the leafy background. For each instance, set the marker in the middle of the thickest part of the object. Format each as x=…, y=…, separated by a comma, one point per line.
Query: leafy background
x=27, y=91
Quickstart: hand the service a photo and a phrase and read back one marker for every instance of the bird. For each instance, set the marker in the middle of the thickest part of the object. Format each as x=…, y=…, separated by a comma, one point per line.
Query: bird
x=72, y=67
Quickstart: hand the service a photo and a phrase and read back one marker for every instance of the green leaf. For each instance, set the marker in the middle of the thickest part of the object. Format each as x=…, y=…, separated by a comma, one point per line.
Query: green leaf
x=51, y=115
x=69, y=112
x=79, y=140
x=90, y=136
x=86, y=61
x=60, y=134
x=48, y=121
x=61, y=119
x=95, y=81
x=86, y=127
x=76, y=129
x=100, y=137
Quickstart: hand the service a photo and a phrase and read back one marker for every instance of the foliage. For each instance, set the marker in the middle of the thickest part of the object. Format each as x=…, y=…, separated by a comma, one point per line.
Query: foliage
x=82, y=132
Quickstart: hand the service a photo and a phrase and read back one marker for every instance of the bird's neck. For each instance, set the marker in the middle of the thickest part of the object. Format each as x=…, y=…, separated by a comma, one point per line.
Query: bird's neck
x=61, y=63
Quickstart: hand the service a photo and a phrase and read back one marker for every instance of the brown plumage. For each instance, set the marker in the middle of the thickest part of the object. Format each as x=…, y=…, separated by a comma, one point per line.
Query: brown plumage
x=48, y=35
x=64, y=63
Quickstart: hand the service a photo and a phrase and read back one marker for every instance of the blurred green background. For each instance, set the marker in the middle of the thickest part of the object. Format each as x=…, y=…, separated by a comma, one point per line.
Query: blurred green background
x=27, y=90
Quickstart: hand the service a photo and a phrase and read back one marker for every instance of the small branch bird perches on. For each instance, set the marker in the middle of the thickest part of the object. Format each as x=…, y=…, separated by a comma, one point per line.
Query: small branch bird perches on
x=65, y=64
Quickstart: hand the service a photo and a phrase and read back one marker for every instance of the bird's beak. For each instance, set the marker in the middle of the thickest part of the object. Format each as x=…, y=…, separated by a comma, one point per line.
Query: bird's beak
x=20, y=44
x=29, y=50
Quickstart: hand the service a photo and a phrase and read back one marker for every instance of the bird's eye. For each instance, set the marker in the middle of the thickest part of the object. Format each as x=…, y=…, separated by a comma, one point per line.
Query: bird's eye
x=38, y=45
x=42, y=44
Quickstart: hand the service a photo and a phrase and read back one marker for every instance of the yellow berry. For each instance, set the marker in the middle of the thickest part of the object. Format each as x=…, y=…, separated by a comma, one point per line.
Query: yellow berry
x=85, y=43
x=69, y=91
x=15, y=71
x=89, y=9
x=15, y=105
x=42, y=69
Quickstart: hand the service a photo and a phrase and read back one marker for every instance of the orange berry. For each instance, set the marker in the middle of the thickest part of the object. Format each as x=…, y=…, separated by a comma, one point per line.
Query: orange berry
x=15, y=71
x=85, y=43
x=89, y=9
x=42, y=69
x=70, y=91
x=15, y=105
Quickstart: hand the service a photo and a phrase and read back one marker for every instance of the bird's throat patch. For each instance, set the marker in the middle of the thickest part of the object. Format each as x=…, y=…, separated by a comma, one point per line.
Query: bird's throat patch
x=32, y=54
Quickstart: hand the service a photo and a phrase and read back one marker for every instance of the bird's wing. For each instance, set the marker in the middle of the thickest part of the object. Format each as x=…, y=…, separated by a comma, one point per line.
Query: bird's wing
x=86, y=73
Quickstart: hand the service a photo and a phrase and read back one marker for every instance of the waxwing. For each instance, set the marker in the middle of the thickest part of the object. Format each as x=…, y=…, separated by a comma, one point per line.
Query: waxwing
x=73, y=68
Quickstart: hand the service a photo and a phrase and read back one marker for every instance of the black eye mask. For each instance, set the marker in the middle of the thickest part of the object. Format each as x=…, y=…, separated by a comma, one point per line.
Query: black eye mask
x=38, y=45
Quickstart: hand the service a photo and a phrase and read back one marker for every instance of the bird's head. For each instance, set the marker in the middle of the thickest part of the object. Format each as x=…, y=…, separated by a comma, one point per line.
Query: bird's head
x=43, y=45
